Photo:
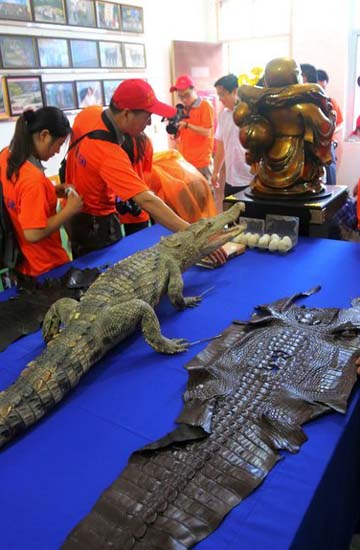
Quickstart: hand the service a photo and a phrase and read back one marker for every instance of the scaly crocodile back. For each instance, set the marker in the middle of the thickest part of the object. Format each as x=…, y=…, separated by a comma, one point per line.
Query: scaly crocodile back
x=110, y=310
x=58, y=369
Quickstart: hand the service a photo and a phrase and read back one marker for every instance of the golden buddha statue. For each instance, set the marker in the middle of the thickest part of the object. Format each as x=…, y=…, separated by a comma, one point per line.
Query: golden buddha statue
x=286, y=128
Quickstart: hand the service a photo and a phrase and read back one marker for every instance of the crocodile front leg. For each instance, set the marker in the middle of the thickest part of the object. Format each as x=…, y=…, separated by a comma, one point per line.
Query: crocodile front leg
x=119, y=320
x=176, y=286
x=58, y=314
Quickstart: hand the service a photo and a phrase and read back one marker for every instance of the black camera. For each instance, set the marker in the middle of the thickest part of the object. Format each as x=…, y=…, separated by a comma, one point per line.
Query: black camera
x=128, y=207
x=173, y=122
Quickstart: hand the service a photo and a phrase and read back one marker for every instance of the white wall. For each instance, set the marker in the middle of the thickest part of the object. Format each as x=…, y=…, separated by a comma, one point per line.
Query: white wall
x=165, y=21
x=321, y=31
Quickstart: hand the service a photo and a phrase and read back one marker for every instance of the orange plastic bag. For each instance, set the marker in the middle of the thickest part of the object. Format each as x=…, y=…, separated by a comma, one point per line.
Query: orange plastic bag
x=180, y=186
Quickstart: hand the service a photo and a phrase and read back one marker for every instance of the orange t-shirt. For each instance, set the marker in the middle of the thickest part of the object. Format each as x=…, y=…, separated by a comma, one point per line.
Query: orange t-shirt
x=100, y=170
x=339, y=117
x=140, y=167
x=31, y=201
x=194, y=148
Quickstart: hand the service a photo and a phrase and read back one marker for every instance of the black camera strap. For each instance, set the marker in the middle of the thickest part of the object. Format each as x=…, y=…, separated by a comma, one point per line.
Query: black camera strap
x=102, y=135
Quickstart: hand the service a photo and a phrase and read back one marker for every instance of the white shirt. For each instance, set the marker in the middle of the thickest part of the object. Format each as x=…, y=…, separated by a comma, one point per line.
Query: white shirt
x=236, y=170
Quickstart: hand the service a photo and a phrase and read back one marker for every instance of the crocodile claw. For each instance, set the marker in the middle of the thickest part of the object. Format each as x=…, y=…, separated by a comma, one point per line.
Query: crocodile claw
x=192, y=301
x=172, y=345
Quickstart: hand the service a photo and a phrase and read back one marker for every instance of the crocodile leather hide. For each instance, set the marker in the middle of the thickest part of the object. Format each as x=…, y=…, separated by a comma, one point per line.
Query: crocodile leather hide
x=248, y=395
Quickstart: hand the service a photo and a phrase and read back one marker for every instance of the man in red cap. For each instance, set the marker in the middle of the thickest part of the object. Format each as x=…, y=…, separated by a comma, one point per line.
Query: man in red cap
x=100, y=169
x=195, y=138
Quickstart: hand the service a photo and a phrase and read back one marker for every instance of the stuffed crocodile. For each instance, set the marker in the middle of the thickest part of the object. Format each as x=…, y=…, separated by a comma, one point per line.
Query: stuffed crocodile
x=121, y=299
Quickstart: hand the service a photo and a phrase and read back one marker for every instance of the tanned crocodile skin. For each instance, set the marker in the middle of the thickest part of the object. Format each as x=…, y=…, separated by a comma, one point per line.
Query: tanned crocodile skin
x=247, y=397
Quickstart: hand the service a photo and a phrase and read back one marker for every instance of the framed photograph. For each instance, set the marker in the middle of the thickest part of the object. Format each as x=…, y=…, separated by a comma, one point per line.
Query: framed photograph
x=53, y=52
x=23, y=92
x=15, y=9
x=132, y=19
x=49, y=11
x=110, y=54
x=81, y=13
x=60, y=94
x=84, y=53
x=89, y=92
x=109, y=88
x=134, y=56
x=3, y=100
x=18, y=52
x=107, y=15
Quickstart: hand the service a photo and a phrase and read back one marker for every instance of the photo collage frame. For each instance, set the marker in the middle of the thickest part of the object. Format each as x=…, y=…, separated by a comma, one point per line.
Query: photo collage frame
x=17, y=93
x=29, y=52
x=80, y=13
x=41, y=54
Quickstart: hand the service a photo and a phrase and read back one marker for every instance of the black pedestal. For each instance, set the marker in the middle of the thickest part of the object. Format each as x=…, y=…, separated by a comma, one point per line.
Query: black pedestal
x=315, y=214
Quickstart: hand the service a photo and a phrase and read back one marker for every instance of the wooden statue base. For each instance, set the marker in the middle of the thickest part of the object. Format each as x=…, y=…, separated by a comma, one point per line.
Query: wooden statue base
x=314, y=213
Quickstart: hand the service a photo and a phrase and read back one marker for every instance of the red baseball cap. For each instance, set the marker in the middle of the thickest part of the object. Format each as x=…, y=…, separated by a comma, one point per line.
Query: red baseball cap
x=135, y=93
x=184, y=81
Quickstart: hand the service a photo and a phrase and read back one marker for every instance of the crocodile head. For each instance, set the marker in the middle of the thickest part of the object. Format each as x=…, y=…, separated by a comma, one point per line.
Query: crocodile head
x=203, y=237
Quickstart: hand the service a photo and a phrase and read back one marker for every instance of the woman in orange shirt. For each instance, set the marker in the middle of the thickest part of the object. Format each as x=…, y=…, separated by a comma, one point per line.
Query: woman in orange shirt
x=29, y=196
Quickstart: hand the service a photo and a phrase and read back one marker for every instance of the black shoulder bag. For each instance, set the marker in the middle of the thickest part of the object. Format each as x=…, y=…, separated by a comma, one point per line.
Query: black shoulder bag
x=10, y=252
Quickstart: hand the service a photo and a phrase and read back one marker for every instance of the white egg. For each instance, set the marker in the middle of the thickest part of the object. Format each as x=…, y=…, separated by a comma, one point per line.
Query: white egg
x=286, y=240
x=263, y=242
x=285, y=244
x=274, y=236
x=253, y=239
x=273, y=245
x=242, y=239
x=248, y=236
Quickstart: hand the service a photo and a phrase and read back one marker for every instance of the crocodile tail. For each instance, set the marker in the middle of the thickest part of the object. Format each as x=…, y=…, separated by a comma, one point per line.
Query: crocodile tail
x=40, y=386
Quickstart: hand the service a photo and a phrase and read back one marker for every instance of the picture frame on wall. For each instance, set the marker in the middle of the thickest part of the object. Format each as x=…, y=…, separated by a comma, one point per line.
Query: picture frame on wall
x=53, y=52
x=19, y=10
x=18, y=52
x=107, y=15
x=111, y=54
x=88, y=93
x=3, y=100
x=132, y=19
x=60, y=94
x=49, y=11
x=23, y=92
x=84, y=53
x=134, y=55
x=109, y=88
x=81, y=13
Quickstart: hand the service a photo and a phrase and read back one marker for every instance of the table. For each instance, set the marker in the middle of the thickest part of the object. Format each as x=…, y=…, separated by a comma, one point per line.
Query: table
x=315, y=214
x=52, y=475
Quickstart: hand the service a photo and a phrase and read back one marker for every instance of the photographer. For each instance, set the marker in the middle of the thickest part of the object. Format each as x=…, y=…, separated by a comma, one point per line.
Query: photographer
x=195, y=135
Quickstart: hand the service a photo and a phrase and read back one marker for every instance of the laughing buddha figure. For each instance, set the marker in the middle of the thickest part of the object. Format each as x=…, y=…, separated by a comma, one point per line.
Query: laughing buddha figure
x=286, y=128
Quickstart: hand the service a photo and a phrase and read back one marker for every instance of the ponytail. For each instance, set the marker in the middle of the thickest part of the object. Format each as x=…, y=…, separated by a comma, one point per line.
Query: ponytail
x=30, y=122
x=128, y=146
x=20, y=146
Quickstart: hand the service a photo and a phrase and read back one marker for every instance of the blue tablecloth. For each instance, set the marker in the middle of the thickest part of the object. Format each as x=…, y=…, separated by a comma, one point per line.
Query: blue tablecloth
x=53, y=474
